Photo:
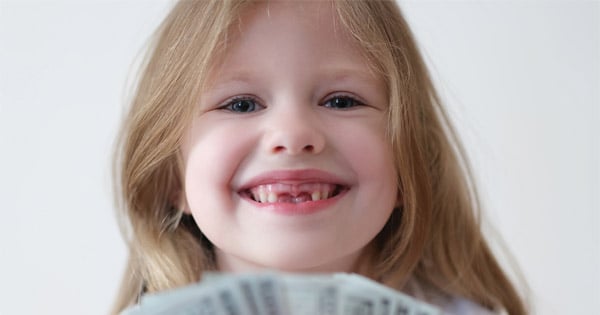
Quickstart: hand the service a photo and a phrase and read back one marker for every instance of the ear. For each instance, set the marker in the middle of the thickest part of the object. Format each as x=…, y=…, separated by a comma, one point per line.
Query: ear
x=399, y=200
x=185, y=207
x=179, y=202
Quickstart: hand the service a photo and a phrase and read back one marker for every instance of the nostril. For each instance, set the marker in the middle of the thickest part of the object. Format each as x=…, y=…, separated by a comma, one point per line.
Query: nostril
x=306, y=149
x=279, y=149
x=309, y=148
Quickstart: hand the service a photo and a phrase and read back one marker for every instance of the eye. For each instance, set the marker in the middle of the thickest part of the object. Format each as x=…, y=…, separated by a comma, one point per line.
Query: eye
x=241, y=104
x=342, y=102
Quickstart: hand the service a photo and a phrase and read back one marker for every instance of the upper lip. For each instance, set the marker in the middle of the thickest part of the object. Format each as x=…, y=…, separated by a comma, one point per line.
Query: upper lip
x=293, y=177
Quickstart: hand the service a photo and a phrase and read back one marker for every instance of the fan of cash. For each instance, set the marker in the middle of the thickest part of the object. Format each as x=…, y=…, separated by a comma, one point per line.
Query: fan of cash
x=281, y=294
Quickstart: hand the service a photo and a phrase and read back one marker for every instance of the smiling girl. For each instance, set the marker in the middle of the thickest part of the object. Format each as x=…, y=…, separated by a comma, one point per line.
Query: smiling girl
x=302, y=136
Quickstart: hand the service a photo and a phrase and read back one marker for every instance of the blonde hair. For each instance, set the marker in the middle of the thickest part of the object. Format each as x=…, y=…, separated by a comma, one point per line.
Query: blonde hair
x=435, y=238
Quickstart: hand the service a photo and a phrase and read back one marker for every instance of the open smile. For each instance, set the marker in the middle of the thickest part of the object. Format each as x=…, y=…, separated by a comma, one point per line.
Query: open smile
x=294, y=189
x=293, y=193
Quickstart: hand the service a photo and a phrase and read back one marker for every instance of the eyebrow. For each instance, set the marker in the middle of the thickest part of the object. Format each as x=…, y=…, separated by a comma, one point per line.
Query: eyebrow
x=338, y=74
x=237, y=77
x=328, y=74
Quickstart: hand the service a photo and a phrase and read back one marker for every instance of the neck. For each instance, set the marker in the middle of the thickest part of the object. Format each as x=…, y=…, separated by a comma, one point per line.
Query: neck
x=228, y=263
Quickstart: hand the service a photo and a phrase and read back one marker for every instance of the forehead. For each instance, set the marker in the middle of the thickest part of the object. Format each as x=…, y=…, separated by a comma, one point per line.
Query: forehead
x=298, y=36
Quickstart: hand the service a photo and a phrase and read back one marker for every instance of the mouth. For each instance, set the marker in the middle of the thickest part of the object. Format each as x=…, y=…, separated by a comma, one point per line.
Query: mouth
x=293, y=193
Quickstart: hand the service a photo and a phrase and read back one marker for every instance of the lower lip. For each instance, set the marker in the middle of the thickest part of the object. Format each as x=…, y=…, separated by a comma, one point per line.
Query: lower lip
x=302, y=208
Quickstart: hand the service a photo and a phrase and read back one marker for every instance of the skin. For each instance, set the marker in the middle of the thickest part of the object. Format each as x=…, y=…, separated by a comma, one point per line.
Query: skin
x=296, y=72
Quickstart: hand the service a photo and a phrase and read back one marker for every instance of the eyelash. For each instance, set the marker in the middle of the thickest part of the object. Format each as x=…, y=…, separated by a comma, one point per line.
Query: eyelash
x=229, y=104
x=354, y=100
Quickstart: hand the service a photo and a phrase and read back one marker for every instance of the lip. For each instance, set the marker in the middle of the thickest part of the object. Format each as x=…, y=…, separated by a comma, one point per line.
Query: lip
x=295, y=177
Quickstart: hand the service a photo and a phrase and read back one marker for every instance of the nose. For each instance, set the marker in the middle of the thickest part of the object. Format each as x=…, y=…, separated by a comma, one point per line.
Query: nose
x=294, y=131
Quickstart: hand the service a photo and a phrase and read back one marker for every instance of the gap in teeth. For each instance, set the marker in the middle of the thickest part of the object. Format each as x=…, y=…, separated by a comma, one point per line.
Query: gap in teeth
x=272, y=193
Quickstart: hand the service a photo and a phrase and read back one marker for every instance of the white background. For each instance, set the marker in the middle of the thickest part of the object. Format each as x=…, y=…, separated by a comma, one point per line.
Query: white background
x=521, y=80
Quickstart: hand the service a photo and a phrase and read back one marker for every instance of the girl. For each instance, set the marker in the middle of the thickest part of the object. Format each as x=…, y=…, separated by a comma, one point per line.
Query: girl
x=304, y=137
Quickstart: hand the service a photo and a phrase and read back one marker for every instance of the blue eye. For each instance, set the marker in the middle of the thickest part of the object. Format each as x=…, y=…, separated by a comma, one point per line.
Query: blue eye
x=342, y=102
x=242, y=105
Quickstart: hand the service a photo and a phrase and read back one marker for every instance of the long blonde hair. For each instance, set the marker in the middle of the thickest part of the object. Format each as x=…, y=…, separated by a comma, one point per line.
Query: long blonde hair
x=434, y=239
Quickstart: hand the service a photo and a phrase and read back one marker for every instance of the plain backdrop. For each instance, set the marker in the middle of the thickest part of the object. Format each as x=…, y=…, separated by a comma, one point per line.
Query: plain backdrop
x=521, y=81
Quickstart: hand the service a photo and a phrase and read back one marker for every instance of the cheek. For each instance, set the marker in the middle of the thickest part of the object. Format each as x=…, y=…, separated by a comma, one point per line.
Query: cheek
x=370, y=154
x=211, y=155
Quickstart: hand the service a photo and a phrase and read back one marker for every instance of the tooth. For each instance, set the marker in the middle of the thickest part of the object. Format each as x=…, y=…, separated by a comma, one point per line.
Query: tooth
x=325, y=194
x=316, y=195
x=271, y=197
x=262, y=195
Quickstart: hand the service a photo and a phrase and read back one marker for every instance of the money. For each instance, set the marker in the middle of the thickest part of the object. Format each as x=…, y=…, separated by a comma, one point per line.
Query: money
x=274, y=293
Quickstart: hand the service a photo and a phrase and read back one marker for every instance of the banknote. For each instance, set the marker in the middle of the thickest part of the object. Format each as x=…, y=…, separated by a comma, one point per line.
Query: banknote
x=276, y=293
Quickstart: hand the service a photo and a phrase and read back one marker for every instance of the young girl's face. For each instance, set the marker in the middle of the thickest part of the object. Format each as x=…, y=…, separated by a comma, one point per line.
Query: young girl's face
x=287, y=165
